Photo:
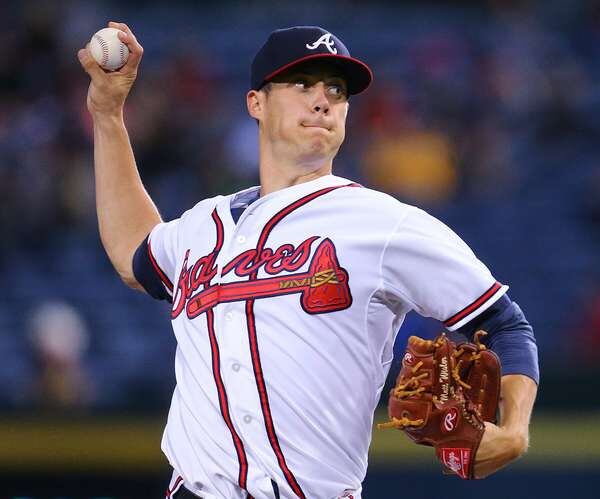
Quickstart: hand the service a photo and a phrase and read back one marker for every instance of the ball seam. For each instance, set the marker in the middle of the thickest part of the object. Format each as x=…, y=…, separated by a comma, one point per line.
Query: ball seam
x=104, y=47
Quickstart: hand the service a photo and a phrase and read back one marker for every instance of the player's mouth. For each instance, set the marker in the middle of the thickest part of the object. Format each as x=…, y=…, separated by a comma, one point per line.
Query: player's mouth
x=317, y=125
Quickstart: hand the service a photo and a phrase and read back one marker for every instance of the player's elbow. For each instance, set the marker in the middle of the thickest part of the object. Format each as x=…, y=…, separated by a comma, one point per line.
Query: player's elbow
x=122, y=261
x=125, y=272
x=129, y=279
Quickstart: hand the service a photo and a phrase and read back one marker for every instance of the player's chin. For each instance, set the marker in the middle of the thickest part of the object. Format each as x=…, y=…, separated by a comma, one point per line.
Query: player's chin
x=319, y=146
x=321, y=141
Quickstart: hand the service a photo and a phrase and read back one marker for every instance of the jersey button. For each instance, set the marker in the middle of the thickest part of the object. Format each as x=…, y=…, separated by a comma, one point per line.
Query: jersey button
x=235, y=367
x=241, y=239
x=228, y=316
x=247, y=419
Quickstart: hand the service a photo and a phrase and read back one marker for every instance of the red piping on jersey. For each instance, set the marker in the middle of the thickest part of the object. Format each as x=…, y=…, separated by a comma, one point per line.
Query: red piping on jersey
x=254, y=351
x=175, y=488
x=223, y=402
x=288, y=209
x=163, y=277
x=474, y=306
x=216, y=367
x=219, y=226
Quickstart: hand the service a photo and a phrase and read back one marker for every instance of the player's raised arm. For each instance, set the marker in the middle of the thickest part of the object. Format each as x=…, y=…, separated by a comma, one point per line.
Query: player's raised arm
x=126, y=214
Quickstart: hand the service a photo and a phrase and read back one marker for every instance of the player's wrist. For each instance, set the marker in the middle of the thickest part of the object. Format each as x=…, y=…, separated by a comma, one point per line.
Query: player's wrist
x=517, y=441
x=498, y=448
x=511, y=442
x=108, y=118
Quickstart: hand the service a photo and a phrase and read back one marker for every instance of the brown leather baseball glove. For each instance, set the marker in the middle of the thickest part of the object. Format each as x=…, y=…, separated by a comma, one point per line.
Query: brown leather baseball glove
x=442, y=397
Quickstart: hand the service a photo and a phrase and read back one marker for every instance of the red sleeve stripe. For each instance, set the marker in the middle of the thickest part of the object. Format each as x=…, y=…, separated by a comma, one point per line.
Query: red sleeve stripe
x=163, y=277
x=474, y=306
x=176, y=486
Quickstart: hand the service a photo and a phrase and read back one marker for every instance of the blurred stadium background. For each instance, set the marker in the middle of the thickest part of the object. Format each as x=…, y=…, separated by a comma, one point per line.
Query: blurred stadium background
x=486, y=114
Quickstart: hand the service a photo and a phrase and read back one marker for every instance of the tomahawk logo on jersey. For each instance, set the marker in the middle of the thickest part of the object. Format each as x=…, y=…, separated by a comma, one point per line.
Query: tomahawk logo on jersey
x=307, y=285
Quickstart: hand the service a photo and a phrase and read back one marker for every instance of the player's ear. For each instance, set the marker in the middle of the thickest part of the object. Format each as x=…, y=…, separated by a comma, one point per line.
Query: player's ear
x=254, y=104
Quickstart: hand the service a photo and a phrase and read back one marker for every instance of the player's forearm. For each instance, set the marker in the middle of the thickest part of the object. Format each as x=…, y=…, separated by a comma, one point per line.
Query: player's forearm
x=126, y=214
x=517, y=396
x=503, y=444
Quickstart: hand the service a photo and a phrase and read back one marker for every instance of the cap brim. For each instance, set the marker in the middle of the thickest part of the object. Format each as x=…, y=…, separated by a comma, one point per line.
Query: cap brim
x=357, y=74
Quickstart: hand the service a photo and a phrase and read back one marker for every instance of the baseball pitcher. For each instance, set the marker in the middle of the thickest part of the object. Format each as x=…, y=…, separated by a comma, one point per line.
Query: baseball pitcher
x=287, y=297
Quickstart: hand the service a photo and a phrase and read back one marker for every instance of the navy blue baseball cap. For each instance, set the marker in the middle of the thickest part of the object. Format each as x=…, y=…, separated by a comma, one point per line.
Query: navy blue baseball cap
x=289, y=47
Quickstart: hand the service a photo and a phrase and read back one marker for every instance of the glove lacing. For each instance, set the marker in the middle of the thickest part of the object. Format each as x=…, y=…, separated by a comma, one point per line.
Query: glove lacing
x=403, y=390
x=412, y=387
x=474, y=356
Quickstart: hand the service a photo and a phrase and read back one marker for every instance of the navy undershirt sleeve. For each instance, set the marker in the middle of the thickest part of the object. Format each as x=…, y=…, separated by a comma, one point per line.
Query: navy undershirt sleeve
x=510, y=336
x=146, y=275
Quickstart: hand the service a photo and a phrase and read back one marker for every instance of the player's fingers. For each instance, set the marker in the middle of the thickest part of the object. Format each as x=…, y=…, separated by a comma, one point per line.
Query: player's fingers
x=128, y=38
x=131, y=38
x=118, y=25
x=88, y=63
x=135, y=50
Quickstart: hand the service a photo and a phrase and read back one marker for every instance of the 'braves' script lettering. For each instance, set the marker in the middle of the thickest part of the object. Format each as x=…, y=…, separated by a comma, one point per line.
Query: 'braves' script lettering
x=285, y=258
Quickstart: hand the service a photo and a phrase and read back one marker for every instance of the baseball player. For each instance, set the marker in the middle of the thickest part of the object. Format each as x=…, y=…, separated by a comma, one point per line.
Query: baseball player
x=286, y=297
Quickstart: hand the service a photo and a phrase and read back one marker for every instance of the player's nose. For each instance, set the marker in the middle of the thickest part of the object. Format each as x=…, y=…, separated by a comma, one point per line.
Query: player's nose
x=319, y=101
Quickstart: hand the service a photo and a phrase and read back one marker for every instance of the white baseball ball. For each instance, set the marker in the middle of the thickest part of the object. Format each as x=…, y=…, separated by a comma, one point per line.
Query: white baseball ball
x=108, y=51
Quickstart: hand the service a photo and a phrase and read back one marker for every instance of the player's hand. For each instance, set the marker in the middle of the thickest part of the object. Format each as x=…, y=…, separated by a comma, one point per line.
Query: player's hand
x=108, y=90
x=499, y=446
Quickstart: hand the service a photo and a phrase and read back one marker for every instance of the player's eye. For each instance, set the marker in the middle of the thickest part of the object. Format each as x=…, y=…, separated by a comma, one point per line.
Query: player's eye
x=301, y=83
x=336, y=89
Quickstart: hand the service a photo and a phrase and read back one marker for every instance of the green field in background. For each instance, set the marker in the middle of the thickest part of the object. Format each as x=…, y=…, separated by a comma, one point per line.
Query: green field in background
x=114, y=445
x=556, y=440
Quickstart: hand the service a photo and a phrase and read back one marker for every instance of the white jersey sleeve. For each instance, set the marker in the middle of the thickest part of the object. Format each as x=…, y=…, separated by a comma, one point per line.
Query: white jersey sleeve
x=427, y=266
x=158, y=258
x=163, y=250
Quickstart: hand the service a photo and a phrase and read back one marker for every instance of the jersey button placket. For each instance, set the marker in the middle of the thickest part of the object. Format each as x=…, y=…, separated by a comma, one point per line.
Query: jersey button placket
x=234, y=362
x=238, y=375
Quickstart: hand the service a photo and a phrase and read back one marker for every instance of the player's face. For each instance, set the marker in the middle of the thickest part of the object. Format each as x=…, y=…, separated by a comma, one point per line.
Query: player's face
x=303, y=113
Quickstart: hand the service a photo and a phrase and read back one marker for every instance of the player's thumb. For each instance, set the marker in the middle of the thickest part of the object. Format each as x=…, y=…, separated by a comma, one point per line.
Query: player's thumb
x=88, y=63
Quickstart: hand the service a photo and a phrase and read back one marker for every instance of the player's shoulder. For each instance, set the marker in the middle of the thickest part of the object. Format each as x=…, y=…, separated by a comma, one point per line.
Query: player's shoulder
x=403, y=216
x=373, y=199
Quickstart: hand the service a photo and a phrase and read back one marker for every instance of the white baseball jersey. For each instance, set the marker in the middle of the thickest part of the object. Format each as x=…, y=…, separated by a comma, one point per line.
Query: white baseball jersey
x=285, y=324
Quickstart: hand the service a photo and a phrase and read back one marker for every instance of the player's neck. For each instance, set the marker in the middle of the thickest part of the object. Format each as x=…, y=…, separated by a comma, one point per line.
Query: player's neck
x=277, y=174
